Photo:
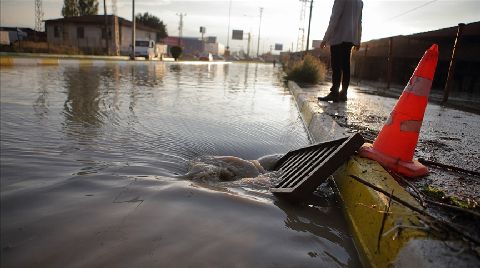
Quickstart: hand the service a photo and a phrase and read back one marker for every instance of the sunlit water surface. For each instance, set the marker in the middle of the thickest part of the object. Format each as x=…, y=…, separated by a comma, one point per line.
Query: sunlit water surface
x=93, y=158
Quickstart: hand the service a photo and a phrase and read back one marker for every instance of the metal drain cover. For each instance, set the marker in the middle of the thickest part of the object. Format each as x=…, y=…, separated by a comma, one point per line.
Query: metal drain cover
x=303, y=170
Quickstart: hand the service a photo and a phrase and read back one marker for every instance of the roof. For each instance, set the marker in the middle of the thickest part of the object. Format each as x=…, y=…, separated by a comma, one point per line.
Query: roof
x=100, y=19
x=14, y=29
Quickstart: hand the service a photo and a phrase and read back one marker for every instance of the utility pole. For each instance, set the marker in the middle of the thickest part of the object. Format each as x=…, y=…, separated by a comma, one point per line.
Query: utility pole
x=228, y=31
x=301, y=39
x=180, y=27
x=309, y=22
x=106, y=26
x=133, y=30
x=116, y=30
x=453, y=59
x=301, y=29
x=259, y=27
x=203, y=30
x=38, y=16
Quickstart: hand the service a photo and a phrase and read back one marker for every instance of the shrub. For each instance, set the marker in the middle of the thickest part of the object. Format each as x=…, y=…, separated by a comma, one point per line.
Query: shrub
x=308, y=70
x=176, y=51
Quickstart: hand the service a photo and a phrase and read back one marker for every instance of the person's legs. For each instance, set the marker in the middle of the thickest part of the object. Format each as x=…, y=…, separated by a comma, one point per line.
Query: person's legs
x=336, y=63
x=346, y=50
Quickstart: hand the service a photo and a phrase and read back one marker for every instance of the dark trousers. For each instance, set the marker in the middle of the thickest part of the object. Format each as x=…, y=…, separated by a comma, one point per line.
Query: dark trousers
x=340, y=61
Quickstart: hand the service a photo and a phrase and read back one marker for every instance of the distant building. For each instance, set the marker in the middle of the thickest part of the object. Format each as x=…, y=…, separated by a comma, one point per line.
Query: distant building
x=215, y=48
x=4, y=38
x=171, y=41
x=193, y=46
x=316, y=43
x=87, y=33
x=10, y=35
x=211, y=39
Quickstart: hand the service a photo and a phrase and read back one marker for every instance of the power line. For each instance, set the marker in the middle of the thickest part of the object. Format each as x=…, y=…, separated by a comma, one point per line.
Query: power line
x=411, y=10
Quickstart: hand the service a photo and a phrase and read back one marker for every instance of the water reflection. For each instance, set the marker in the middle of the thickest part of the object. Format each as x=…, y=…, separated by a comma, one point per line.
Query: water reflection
x=176, y=69
x=245, y=81
x=40, y=106
x=226, y=82
x=83, y=97
x=116, y=87
x=135, y=78
x=318, y=217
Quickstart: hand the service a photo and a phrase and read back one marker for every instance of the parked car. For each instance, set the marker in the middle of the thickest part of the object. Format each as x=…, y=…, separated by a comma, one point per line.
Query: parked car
x=145, y=49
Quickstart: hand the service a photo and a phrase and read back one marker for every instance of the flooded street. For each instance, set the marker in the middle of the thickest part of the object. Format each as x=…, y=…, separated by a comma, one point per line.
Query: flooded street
x=93, y=158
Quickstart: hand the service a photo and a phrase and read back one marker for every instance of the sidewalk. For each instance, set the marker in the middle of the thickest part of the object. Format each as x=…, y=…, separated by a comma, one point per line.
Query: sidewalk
x=459, y=100
x=448, y=136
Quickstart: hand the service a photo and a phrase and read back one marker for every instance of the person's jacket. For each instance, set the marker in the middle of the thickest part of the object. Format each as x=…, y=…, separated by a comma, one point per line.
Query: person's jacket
x=345, y=23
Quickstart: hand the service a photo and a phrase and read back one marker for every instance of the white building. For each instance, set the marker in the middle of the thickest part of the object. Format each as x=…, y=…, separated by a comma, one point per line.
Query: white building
x=215, y=48
x=87, y=34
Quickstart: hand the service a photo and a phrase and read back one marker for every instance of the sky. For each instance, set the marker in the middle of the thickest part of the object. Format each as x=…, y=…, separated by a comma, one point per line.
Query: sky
x=280, y=21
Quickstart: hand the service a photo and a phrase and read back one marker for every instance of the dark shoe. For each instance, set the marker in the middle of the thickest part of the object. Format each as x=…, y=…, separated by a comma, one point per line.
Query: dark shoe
x=342, y=96
x=332, y=96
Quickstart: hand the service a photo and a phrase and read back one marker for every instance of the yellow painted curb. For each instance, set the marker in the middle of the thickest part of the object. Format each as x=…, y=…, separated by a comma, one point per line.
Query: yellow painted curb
x=364, y=209
x=6, y=61
x=48, y=61
x=307, y=111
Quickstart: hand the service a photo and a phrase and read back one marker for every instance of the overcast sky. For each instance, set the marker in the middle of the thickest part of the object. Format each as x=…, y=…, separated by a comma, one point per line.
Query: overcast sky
x=280, y=20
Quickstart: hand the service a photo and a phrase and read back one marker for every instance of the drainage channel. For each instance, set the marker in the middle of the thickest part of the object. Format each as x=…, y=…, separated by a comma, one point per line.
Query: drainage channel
x=303, y=170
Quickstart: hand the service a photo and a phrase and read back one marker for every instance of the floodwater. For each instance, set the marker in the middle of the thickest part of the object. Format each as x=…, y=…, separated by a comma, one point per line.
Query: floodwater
x=93, y=164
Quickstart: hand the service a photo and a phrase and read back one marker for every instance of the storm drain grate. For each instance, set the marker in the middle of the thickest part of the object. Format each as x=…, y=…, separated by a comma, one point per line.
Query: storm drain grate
x=303, y=170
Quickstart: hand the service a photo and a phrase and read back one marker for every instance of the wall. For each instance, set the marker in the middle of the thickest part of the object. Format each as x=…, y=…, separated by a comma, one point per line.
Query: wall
x=215, y=48
x=91, y=43
x=371, y=62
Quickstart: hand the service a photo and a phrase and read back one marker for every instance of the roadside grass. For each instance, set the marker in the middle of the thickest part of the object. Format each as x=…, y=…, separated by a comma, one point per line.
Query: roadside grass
x=308, y=70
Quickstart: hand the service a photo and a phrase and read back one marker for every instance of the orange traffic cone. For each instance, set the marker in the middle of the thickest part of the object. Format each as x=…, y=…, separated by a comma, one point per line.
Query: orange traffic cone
x=396, y=142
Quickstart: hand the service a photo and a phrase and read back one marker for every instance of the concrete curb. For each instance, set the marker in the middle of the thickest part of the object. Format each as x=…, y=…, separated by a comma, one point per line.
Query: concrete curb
x=28, y=59
x=321, y=126
x=404, y=240
x=364, y=209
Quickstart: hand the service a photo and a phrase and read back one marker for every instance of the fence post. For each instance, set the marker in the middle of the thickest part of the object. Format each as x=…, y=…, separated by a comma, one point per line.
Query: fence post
x=451, y=68
x=389, y=61
x=360, y=63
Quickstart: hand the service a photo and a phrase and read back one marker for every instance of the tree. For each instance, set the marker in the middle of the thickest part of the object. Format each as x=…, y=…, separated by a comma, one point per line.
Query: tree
x=72, y=8
x=176, y=51
x=154, y=22
x=87, y=7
